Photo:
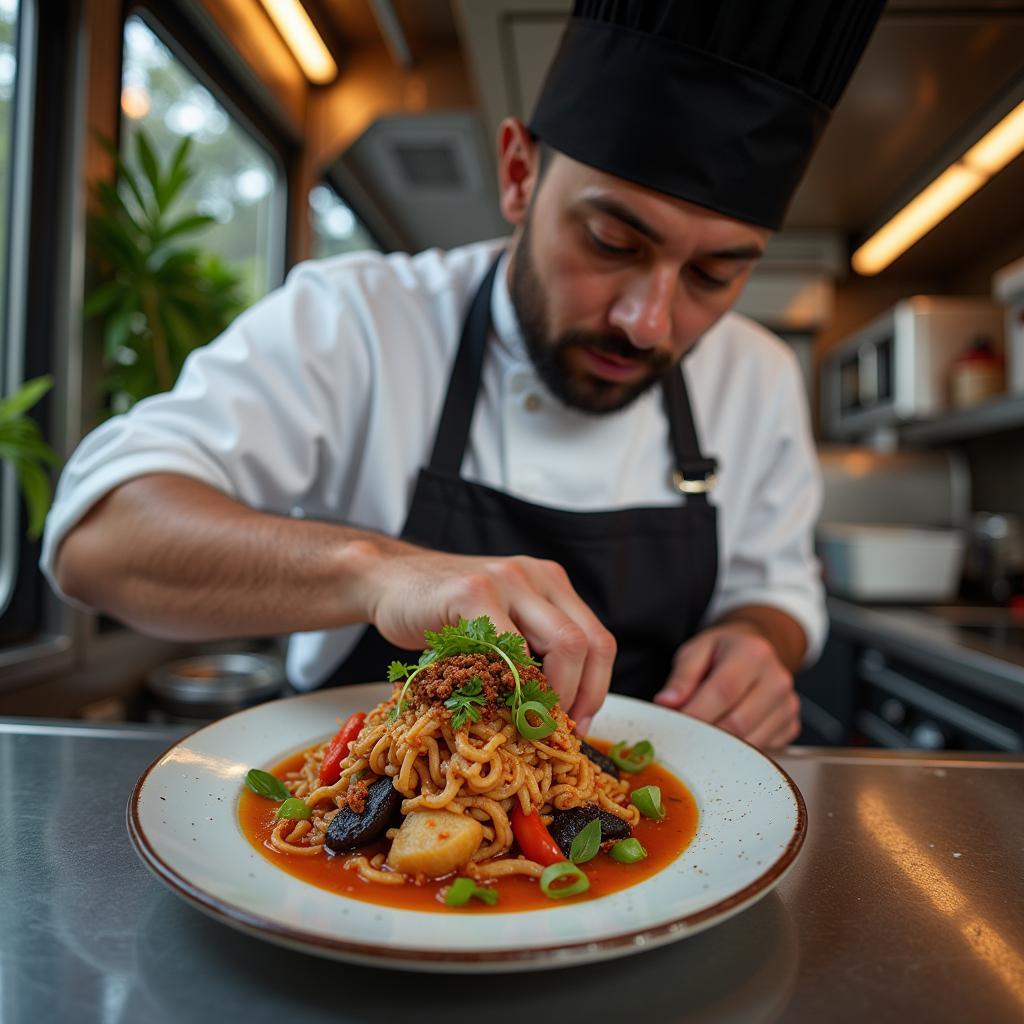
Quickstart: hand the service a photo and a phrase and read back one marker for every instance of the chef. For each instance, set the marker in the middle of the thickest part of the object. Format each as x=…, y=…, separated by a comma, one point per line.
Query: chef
x=567, y=431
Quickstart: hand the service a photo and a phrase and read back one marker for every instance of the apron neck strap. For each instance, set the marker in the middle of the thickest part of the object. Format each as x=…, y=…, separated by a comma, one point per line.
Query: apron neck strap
x=459, y=403
x=694, y=475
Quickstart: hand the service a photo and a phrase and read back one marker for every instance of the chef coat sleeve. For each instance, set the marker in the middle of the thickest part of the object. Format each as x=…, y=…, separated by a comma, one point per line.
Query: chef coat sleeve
x=268, y=413
x=772, y=560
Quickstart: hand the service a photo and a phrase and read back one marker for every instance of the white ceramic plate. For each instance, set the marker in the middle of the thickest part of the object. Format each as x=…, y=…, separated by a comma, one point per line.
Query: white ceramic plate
x=183, y=820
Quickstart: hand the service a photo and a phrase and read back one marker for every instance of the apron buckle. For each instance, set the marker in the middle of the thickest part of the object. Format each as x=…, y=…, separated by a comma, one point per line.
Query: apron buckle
x=698, y=477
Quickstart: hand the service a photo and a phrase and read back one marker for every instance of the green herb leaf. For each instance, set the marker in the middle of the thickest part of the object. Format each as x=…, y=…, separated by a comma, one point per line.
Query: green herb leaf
x=628, y=851
x=514, y=645
x=587, y=843
x=467, y=637
x=647, y=800
x=294, y=809
x=463, y=889
x=465, y=701
x=534, y=692
x=265, y=784
x=397, y=670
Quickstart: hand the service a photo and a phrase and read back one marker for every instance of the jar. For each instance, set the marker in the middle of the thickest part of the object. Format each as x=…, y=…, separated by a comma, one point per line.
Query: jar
x=977, y=375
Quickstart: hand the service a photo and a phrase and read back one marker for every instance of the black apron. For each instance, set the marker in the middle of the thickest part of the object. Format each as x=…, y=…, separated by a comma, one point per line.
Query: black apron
x=647, y=573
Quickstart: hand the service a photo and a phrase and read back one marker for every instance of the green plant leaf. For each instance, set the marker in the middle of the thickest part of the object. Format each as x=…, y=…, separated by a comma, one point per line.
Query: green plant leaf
x=102, y=299
x=126, y=176
x=184, y=225
x=155, y=295
x=179, y=172
x=112, y=201
x=24, y=398
x=147, y=161
x=30, y=450
x=35, y=486
x=114, y=245
x=116, y=332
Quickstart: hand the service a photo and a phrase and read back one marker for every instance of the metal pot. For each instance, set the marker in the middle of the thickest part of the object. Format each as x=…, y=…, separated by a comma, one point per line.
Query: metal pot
x=210, y=686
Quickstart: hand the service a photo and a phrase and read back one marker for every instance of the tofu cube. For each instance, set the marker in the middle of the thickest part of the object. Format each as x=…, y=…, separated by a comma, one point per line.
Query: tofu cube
x=434, y=843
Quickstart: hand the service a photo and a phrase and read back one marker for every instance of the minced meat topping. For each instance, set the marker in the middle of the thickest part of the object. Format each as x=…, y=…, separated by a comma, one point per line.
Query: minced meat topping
x=356, y=795
x=435, y=683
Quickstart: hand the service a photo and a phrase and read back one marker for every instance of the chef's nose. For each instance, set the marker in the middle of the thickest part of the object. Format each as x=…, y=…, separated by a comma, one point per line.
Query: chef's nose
x=643, y=310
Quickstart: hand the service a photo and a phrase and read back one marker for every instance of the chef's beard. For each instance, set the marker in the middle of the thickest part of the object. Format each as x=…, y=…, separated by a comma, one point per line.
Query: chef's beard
x=550, y=356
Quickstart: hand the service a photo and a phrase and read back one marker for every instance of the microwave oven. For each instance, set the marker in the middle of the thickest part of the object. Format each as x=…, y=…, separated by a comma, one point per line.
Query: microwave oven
x=896, y=369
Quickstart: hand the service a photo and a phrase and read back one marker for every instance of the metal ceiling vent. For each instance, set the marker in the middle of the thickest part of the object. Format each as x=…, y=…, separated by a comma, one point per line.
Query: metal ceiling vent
x=428, y=156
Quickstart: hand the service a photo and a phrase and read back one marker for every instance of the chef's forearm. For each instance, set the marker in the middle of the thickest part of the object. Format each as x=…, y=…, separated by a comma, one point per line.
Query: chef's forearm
x=782, y=631
x=176, y=558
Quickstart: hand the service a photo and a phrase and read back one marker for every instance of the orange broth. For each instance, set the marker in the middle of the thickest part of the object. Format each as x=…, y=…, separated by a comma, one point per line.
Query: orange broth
x=663, y=840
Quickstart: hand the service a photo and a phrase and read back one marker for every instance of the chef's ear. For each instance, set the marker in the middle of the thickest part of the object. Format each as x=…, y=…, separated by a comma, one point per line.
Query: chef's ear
x=519, y=168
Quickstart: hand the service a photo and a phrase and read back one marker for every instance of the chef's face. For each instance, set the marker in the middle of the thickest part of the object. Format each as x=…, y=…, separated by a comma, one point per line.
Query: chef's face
x=612, y=283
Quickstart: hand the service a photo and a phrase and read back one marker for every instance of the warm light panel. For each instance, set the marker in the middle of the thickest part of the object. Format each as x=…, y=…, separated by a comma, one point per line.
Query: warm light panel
x=299, y=32
x=985, y=158
x=999, y=146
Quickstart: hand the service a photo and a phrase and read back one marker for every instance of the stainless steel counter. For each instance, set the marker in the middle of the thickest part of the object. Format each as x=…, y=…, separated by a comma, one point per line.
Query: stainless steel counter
x=907, y=901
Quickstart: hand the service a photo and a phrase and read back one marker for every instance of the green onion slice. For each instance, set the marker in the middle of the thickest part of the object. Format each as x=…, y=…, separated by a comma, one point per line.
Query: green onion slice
x=635, y=758
x=559, y=873
x=587, y=843
x=266, y=785
x=294, y=809
x=526, y=728
x=647, y=800
x=628, y=851
x=463, y=889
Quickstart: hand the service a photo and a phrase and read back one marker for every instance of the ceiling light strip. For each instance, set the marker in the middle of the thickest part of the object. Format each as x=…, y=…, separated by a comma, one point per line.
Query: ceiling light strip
x=942, y=196
x=300, y=35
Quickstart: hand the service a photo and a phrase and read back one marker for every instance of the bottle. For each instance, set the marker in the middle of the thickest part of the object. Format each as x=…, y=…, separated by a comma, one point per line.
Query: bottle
x=977, y=375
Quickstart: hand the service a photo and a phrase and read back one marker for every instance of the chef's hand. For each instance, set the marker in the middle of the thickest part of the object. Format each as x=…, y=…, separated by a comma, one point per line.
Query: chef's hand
x=732, y=676
x=413, y=589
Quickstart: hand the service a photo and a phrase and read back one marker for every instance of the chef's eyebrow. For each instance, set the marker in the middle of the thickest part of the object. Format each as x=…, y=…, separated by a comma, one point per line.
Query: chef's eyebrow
x=613, y=208
x=741, y=252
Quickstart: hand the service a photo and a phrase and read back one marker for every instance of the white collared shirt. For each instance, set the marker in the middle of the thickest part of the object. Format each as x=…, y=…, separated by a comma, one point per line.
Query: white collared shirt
x=322, y=400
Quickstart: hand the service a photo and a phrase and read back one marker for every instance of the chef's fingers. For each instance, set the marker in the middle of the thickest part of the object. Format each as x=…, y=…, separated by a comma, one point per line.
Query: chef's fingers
x=505, y=589
x=726, y=685
x=691, y=664
x=553, y=583
x=763, y=708
x=556, y=639
x=781, y=727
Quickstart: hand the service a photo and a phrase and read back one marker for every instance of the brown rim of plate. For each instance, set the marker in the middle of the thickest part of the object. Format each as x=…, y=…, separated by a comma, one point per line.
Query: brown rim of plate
x=637, y=939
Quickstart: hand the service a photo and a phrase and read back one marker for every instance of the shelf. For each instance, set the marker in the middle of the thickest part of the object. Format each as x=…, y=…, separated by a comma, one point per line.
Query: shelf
x=991, y=418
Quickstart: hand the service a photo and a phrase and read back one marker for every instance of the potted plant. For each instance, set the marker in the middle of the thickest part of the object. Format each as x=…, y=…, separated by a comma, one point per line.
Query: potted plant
x=156, y=296
x=22, y=445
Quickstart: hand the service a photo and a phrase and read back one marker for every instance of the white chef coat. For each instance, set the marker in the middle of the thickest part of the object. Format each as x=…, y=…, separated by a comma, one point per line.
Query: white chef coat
x=322, y=401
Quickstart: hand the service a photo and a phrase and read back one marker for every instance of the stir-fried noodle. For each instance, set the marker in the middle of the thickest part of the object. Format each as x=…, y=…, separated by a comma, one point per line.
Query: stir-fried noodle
x=482, y=769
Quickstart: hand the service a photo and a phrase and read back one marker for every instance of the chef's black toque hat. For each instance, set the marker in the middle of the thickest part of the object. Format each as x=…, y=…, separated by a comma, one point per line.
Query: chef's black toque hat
x=720, y=102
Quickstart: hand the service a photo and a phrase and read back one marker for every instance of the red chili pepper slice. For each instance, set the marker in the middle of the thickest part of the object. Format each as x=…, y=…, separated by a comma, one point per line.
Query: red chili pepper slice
x=330, y=766
x=533, y=837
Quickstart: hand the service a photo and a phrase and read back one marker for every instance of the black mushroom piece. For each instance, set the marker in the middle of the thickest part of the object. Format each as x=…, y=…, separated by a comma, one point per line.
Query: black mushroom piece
x=567, y=825
x=349, y=830
x=603, y=761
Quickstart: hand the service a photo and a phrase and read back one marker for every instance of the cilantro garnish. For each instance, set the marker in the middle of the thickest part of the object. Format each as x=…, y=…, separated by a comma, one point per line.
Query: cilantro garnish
x=464, y=702
x=533, y=691
x=471, y=637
